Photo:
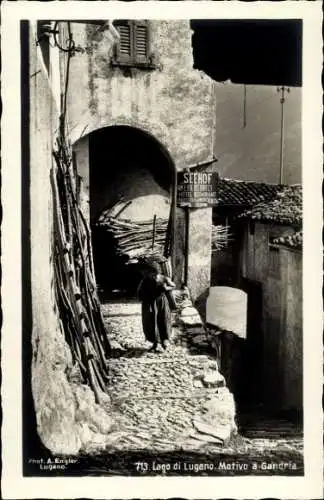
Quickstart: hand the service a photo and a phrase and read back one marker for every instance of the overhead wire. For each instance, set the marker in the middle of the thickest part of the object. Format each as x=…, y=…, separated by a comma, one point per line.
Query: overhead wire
x=251, y=106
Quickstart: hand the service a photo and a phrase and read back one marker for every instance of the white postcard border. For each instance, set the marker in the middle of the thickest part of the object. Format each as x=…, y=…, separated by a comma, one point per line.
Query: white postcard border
x=14, y=485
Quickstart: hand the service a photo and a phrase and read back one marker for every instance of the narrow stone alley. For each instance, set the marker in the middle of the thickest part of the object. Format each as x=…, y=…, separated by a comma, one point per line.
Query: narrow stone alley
x=160, y=403
x=158, y=393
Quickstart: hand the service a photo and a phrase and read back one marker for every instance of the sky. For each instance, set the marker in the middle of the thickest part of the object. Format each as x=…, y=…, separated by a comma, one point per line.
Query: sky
x=252, y=151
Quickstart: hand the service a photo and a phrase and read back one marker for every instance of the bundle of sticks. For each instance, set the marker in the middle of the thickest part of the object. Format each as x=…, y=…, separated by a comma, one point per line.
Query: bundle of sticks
x=220, y=237
x=133, y=239
x=77, y=304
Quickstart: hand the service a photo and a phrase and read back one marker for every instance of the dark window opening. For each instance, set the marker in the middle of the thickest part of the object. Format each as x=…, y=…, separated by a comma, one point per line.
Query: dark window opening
x=133, y=47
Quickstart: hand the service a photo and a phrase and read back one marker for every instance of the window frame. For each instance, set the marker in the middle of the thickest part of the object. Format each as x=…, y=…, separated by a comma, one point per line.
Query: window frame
x=133, y=60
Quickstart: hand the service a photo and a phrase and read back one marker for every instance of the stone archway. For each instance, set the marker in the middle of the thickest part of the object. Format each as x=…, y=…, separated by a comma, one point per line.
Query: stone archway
x=81, y=131
x=121, y=160
x=151, y=127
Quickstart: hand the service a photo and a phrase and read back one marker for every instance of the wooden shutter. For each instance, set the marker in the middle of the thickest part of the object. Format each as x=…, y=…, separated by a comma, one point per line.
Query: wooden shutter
x=133, y=45
x=141, y=41
x=124, y=49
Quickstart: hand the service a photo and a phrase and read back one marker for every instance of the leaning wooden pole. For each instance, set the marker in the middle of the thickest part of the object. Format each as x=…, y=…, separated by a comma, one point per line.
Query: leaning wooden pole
x=153, y=231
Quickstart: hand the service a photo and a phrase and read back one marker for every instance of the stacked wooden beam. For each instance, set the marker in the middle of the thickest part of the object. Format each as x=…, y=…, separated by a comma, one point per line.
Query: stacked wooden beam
x=77, y=304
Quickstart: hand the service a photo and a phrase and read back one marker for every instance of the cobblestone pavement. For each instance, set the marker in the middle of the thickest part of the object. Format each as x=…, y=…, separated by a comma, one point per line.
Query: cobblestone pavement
x=156, y=396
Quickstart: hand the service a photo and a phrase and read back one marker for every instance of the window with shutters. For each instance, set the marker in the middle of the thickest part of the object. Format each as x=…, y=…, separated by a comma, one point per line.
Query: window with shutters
x=133, y=47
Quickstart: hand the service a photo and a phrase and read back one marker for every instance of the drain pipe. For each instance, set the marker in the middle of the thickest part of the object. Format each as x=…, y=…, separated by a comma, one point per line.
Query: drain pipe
x=187, y=223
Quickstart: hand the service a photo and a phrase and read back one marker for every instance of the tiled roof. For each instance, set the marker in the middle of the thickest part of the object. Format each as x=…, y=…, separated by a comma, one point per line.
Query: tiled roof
x=244, y=194
x=285, y=208
x=291, y=241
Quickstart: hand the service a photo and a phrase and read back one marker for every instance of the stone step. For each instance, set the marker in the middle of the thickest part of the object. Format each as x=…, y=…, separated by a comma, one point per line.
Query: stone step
x=220, y=432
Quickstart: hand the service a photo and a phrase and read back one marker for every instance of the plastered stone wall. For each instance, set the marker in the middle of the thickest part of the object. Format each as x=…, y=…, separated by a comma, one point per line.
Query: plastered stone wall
x=199, y=262
x=68, y=419
x=174, y=103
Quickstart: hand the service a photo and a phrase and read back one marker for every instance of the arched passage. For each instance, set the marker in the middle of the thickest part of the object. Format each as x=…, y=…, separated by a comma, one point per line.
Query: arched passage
x=132, y=177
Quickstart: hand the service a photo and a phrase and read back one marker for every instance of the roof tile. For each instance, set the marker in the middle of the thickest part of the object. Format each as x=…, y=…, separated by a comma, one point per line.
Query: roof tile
x=284, y=208
x=291, y=240
x=244, y=194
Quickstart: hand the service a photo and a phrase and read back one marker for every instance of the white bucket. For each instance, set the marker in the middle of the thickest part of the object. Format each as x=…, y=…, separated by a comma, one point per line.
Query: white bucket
x=227, y=309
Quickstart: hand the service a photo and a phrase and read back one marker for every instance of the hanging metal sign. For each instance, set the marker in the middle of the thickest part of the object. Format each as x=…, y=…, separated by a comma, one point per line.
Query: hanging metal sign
x=197, y=189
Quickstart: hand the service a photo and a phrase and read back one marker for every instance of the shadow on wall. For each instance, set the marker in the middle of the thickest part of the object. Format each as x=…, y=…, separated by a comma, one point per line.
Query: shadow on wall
x=137, y=188
x=200, y=304
x=125, y=163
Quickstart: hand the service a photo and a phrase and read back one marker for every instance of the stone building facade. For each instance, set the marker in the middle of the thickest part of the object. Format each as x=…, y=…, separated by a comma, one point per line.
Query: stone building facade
x=51, y=399
x=264, y=258
x=165, y=102
x=171, y=107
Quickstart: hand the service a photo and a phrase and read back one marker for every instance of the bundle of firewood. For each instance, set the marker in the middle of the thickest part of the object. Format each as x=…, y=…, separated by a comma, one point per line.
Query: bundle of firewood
x=220, y=237
x=133, y=239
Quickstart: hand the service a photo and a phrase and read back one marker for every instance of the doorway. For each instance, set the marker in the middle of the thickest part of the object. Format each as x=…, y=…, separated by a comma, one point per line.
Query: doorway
x=252, y=363
x=132, y=191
